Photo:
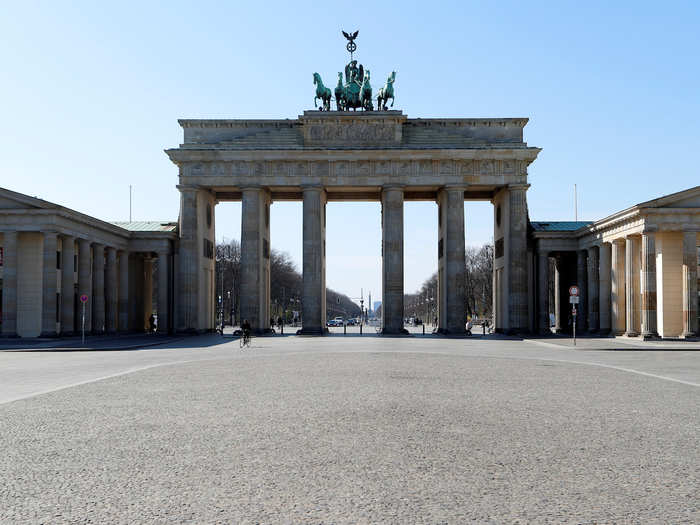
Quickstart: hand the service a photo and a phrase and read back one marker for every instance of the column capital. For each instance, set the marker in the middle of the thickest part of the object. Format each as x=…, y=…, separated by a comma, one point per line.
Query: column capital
x=312, y=187
x=518, y=186
x=184, y=188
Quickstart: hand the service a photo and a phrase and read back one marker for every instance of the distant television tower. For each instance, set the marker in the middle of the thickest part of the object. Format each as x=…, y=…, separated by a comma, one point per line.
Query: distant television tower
x=369, y=304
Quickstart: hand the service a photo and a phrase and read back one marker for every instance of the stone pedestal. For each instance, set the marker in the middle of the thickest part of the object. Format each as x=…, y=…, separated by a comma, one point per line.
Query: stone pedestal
x=255, y=259
x=690, y=284
x=648, y=284
x=605, y=287
x=314, y=262
x=67, y=286
x=617, y=287
x=452, y=314
x=85, y=282
x=123, y=303
x=392, y=260
x=98, y=288
x=163, y=292
x=50, y=280
x=111, y=291
x=593, y=290
x=631, y=288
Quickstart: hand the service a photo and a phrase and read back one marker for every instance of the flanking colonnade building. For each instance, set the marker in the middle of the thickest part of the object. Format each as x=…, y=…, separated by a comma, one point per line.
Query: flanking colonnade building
x=51, y=256
x=637, y=269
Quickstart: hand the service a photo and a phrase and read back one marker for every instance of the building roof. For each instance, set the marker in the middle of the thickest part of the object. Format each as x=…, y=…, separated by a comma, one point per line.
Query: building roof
x=147, y=226
x=559, y=226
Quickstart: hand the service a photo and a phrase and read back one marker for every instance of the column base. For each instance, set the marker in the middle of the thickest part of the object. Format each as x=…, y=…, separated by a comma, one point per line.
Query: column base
x=631, y=334
x=393, y=331
x=689, y=335
x=48, y=334
x=451, y=333
x=316, y=330
x=648, y=336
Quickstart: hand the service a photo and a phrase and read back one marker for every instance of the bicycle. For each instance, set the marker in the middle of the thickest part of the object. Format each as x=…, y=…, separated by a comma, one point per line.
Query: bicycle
x=244, y=340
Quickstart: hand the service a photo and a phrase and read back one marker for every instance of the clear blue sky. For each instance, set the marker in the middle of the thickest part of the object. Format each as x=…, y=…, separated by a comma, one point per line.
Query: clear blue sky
x=91, y=96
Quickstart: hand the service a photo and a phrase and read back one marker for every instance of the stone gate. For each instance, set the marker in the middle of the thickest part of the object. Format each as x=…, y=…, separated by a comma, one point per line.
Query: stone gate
x=338, y=156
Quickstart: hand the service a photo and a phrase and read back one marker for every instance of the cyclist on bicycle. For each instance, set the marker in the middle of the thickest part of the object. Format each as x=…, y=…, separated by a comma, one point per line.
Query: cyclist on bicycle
x=245, y=327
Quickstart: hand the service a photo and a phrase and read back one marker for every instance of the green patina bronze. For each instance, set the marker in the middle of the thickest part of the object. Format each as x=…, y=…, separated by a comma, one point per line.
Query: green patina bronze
x=323, y=93
x=355, y=92
x=386, y=93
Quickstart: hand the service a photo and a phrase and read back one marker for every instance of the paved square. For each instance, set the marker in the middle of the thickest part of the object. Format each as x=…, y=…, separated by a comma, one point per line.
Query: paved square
x=352, y=430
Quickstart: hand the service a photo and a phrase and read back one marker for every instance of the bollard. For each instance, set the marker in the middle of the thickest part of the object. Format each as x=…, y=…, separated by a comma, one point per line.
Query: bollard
x=345, y=329
x=360, y=329
x=423, y=328
x=282, y=329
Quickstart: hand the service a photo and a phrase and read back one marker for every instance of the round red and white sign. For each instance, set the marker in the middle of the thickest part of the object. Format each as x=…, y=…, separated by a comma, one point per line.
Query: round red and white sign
x=573, y=290
x=83, y=298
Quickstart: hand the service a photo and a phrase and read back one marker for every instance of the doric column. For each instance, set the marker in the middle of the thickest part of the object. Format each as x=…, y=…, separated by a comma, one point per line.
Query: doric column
x=163, y=292
x=9, y=284
x=690, y=284
x=147, y=292
x=98, y=288
x=111, y=290
x=196, y=265
x=392, y=260
x=313, y=304
x=557, y=294
x=123, y=303
x=604, y=281
x=617, y=287
x=648, y=285
x=582, y=283
x=517, y=257
x=452, y=315
x=50, y=284
x=543, y=292
x=189, y=255
x=593, y=289
x=85, y=280
x=631, y=288
x=67, y=285
x=255, y=258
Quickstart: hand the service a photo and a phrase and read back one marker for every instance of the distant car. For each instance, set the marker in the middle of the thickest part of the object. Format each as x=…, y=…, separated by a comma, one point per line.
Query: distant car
x=350, y=322
x=339, y=321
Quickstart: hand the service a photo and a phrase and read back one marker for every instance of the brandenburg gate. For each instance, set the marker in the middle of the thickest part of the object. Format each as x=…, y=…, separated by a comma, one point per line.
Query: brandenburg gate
x=343, y=156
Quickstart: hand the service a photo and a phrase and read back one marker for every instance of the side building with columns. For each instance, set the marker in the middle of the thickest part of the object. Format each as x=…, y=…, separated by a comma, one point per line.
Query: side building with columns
x=637, y=270
x=51, y=256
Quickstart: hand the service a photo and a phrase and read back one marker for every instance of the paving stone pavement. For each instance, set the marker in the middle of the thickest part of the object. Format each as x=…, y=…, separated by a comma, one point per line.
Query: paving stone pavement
x=359, y=436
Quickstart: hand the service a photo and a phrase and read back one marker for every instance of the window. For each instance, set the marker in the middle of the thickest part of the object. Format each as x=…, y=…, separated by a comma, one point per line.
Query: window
x=440, y=249
x=75, y=262
x=58, y=260
x=58, y=307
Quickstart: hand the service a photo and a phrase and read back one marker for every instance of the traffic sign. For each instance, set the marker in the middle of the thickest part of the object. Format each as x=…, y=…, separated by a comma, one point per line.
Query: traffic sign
x=574, y=311
x=573, y=299
x=573, y=290
x=83, y=298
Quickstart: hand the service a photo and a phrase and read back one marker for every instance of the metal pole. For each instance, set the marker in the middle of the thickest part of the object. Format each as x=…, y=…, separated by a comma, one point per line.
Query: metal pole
x=574, y=326
x=575, y=204
x=129, y=202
